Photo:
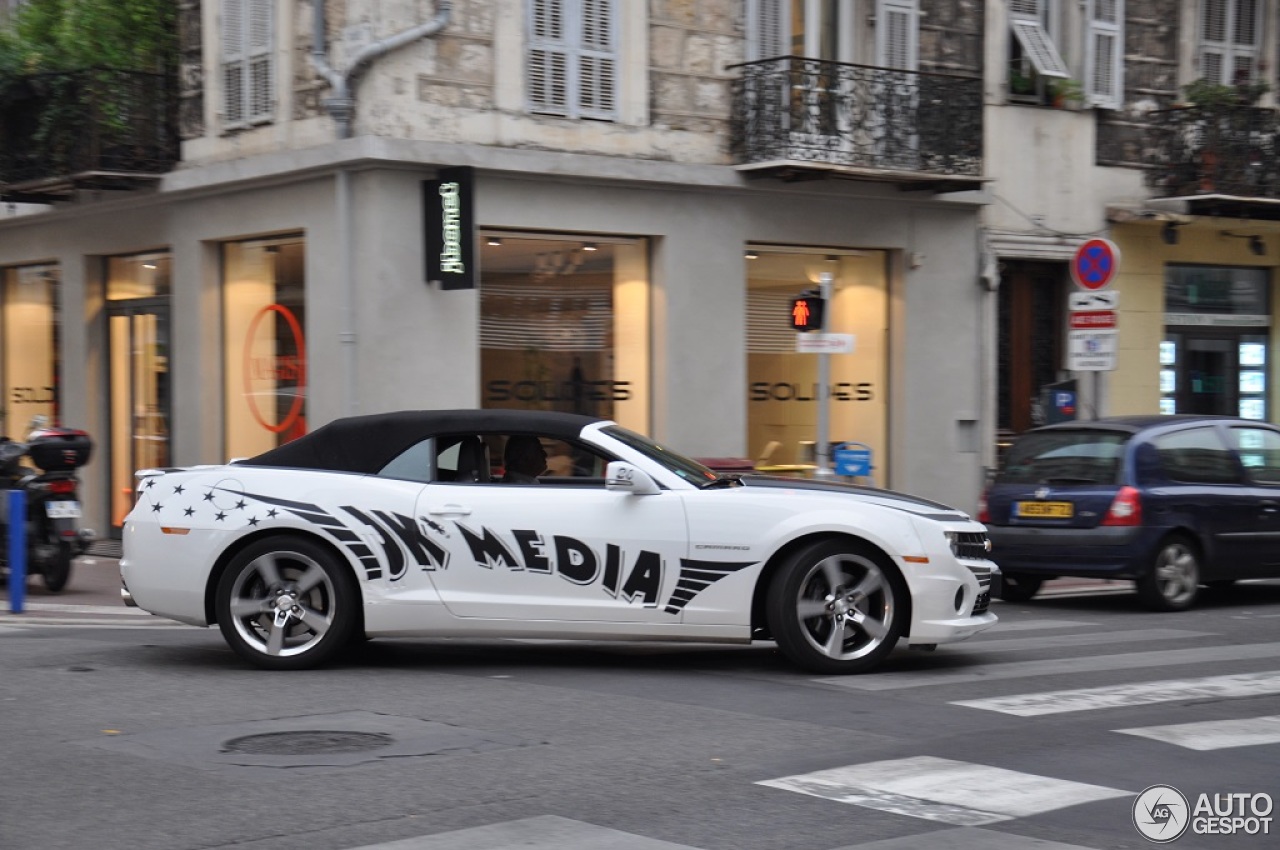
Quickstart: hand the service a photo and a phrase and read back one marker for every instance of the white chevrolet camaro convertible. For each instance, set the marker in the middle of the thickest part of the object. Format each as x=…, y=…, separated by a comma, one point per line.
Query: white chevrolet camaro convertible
x=401, y=525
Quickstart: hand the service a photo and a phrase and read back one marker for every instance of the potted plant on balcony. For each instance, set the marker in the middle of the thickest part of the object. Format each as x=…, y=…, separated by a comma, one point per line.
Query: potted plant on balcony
x=1066, y=93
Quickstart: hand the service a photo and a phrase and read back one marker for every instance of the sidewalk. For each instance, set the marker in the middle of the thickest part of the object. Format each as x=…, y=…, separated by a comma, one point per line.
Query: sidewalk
x=91, y=597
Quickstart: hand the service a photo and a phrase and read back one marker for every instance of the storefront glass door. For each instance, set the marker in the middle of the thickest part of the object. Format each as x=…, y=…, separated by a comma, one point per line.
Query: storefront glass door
x=140, y=401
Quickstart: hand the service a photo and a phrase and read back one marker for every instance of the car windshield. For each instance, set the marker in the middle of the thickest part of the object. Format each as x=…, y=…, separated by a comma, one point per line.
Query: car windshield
x=1064, y=457
x=687, y=468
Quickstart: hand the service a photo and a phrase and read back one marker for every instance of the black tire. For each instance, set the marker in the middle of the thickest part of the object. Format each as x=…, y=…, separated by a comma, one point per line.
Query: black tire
x=1173, y=581
x=57, y=572
x=837, y=585
x=286, y=603
x=1019, y=588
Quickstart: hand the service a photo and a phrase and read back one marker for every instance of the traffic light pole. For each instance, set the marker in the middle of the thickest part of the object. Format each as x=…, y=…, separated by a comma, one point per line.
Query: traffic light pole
x=822, y=445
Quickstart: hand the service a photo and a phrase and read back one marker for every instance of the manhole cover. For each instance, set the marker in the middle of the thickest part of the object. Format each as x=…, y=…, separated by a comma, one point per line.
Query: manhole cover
x=307, y=743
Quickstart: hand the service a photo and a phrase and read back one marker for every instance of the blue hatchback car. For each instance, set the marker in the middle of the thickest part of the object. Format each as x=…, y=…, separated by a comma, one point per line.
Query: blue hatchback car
x=1171, y=502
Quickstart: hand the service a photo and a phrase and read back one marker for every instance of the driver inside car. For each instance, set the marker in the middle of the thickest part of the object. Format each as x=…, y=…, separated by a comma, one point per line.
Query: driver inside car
x=524, y=459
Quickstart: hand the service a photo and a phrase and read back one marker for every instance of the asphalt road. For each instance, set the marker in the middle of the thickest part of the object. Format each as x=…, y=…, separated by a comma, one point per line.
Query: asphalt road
x=118, y=730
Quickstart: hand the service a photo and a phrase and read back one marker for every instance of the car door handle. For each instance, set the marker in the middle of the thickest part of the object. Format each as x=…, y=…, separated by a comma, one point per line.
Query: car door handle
x=1269, y=506
x=449, y=509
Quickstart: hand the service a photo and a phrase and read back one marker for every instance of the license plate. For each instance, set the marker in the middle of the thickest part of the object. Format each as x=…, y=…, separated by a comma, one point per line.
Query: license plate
x=1049, y=510
x=62, y=510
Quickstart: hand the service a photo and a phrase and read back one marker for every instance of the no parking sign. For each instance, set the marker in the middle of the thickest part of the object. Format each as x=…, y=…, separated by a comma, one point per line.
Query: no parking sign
x=1095, y=264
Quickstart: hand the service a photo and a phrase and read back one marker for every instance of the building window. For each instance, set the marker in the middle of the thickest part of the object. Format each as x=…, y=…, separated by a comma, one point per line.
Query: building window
x=571, y=60
x=264, y=346
x=897, y=34
x=1033, y=55
x=1104, y=62
x=248, y=85
x=782, y=382
x=31, y=336
x=1229, y=36
x=564, y=325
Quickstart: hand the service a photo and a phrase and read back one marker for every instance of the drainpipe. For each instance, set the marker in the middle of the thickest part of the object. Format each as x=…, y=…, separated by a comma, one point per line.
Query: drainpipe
x=341, y=106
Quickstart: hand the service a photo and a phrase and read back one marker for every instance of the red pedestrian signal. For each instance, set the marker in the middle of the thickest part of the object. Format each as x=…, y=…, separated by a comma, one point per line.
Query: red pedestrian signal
x=806, y=313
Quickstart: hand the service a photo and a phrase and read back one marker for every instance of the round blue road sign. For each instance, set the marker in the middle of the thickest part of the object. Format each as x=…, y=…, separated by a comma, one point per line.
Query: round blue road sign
x=1095, y=264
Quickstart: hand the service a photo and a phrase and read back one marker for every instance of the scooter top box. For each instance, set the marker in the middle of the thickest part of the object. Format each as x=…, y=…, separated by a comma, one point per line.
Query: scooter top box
x=59, y=449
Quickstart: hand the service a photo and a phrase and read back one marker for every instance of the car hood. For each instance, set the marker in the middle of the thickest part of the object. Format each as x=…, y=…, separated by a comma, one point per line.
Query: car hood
x=885, y=498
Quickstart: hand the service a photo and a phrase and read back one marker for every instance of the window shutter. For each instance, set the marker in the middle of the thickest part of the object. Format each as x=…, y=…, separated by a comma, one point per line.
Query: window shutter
x=572, y=58
x=261, y=94
x=897, y=40
x=1229, y=41
x=548, y=66
x=1029, y=9
x=597, y=61
x=1105, y=62
x=768, y=28
x=233, y=55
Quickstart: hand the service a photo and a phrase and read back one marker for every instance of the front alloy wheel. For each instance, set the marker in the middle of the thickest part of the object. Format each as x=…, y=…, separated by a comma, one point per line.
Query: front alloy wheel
x=1173, y=582
x=286, y=604
x=837, y=607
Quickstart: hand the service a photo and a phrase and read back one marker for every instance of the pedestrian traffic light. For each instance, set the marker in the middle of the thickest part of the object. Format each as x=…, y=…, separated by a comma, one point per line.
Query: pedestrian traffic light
x=806, y=312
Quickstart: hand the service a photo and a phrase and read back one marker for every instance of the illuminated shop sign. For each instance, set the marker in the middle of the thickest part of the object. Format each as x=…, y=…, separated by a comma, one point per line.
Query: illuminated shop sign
x=449, y=219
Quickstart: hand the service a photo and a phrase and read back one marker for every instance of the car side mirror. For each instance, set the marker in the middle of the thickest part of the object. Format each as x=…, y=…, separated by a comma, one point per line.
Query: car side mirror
x=622, y=477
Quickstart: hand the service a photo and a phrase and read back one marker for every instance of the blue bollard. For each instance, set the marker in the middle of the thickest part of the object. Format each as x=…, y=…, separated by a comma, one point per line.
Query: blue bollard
x=17, y=550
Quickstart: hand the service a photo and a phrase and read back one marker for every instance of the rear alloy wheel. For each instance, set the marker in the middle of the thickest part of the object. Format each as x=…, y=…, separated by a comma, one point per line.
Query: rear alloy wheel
x=285, y=603
x=837, y=607
x=1173, y=582
x=1019, y=588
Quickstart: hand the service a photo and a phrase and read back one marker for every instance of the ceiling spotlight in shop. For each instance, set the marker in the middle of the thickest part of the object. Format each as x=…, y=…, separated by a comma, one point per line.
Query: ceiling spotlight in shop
x=589, y=246
x=495, y=241
x=752, y=255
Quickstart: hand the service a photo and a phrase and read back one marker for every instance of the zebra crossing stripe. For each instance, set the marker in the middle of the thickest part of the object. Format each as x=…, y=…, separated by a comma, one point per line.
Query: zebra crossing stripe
x=1090, y=639
x=944, y=790
x=1214, y=734
x=1056, y=666
x=1142, y=693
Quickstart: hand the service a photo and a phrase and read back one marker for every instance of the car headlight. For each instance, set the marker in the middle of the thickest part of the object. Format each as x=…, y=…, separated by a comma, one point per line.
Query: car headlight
x=953, y=540
x=970, y=545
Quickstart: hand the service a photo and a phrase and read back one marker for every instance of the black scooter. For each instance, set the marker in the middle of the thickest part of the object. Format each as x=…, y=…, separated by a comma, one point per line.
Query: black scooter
x=53, y=532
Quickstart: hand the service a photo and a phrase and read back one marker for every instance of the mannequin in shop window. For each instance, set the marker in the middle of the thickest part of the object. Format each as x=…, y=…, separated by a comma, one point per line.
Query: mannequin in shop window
x=524, y=460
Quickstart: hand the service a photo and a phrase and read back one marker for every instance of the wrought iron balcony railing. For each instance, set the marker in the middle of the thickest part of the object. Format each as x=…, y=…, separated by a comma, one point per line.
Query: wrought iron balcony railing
x=906, y=124
x=95, y=128
x=1225, y=149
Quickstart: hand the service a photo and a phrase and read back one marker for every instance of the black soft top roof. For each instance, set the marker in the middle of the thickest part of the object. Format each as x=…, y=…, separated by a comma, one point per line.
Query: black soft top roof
x=365, y=444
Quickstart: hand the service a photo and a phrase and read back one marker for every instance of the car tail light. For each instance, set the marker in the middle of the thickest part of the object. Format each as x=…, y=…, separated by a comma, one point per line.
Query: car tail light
x=984, y=515
x=67, y=486
x=1126, y=508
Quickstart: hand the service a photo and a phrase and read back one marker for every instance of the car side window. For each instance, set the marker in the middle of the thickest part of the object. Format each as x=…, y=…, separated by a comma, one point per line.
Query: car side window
x=1259, y=450
x=412, y=464
x=563, y=462
x=1197, y=456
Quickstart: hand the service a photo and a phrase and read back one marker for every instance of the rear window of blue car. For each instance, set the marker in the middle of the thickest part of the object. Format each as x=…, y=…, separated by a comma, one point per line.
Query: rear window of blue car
x=1064, y=457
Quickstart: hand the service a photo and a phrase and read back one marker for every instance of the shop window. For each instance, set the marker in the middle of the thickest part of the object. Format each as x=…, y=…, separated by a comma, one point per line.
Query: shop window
x=265, y=353
x=564, y=325
x=571, y=60
x=782, y=391
x=31, y=334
